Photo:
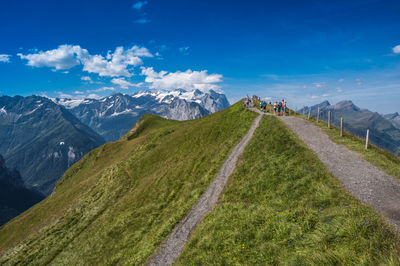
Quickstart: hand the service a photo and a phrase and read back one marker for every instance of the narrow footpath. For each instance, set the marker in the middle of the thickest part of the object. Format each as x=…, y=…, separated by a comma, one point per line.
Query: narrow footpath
x=173, y=246
x=365, y=181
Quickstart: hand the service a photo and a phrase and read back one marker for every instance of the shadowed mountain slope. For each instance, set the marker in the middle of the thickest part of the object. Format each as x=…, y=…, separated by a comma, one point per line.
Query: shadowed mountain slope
x=14, y=197
x=42, y=139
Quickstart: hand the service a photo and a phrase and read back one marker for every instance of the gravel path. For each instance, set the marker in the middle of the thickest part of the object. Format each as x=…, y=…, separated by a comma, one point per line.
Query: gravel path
x=365, y=181
x=173, y=246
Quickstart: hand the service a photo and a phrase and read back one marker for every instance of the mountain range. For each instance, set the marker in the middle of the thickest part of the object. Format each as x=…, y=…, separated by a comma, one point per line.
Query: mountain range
x=384, y=129
x=113, y=116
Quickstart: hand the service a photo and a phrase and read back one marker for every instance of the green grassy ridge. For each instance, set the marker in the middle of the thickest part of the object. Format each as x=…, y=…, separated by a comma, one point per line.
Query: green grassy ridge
x=284, y=207
x=118, y=203
x=385, y=160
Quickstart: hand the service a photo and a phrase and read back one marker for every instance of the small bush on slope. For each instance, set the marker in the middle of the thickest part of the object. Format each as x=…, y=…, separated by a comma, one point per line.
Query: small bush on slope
x=284, y=207
x=117, y=204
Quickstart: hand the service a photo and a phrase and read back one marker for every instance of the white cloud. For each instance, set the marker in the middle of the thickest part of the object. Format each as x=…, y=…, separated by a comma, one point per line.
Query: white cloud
x=396, y=49
x=124, y=83
x=358, y=81
x=318, y=85
x=87, y=79
x=339, y=89
x=188, y=80
x=340, y=80
x=67, y=56
x=5, y=58
x=93, y=96
x=139, y=5
x=102, y=89
x=314, y=96
x=64, y=57
x=326, y=95
x=78, y=95
x=184, y=50
x=117, y=63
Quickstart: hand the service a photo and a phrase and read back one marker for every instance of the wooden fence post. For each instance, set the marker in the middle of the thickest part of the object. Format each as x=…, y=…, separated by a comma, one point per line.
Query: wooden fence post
x=329, y=119
x=309, y=112
x=366, y=140
x=318, y=115
x=341, y=126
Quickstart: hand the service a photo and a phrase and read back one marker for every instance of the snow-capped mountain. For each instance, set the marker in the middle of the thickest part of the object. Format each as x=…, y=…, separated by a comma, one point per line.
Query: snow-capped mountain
x=114, y=115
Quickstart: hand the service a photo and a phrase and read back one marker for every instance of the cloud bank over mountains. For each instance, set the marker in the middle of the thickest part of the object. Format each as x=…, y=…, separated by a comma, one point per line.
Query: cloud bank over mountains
x=188, y=80
x=120, y=66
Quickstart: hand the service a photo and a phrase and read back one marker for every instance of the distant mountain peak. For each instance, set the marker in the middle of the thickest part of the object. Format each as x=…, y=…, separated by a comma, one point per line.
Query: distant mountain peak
x=346, y=105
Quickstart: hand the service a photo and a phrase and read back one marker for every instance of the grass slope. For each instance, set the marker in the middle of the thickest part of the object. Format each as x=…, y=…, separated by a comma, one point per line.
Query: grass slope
x=118, y=203
x=381, y=158
x=283, y=207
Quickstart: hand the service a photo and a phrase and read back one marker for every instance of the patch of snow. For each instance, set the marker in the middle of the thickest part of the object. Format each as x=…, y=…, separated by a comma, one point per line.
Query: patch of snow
x=69, y=103
x=108, y=107
x=140, y=94
x=3, y=110
x=71, y=154
x=127, y=111
x=62, y=143
x=31, y=112
x=56, y=155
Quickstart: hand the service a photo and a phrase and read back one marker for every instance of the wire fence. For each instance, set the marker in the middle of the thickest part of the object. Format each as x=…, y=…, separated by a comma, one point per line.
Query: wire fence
x=335, y=118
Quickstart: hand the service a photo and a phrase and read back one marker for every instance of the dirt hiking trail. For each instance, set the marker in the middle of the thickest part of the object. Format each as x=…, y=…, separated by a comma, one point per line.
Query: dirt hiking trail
x=364, y=180
x=174, y=244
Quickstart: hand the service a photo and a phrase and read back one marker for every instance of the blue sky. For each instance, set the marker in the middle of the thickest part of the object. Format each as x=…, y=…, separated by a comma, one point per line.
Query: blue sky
x=303, y=51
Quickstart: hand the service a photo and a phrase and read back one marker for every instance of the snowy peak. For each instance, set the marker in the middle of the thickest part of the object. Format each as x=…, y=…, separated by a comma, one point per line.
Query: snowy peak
x=114, y=115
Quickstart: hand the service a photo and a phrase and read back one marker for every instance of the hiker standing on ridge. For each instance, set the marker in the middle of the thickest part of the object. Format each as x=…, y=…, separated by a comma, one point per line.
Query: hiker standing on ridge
x=279, y=108
x=275, y=108
x=284, y=108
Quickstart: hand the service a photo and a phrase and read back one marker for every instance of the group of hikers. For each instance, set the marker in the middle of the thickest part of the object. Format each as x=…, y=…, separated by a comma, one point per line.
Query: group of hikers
x=278, y=107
